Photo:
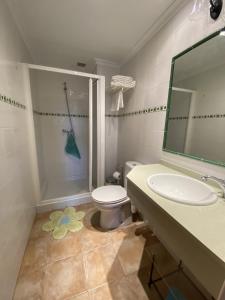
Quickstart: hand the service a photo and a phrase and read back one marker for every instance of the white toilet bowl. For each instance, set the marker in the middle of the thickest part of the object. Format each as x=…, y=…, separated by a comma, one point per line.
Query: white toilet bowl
x=109, y=199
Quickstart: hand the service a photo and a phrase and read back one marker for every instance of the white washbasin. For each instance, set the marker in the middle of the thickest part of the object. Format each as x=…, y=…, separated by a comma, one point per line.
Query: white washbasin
x=182, y=189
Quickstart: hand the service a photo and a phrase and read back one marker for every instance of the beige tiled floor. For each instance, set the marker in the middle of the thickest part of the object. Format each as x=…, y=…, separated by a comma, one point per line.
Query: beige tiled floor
x=87, y=265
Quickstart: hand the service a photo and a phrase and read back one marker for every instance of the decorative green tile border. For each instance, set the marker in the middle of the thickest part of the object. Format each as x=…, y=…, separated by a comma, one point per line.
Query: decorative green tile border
x=12, y=102
x=178, y=118
x=212, y=116
x=118, y=115
x=139, y=112
x=112, y=115
x=59, y=114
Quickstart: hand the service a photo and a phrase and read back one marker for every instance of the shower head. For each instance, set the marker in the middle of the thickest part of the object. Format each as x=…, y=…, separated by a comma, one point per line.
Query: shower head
x=71, y=92
x=65, y=86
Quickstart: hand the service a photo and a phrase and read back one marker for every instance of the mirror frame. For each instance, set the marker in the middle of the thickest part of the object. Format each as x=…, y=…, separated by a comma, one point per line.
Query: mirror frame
x=214, y=162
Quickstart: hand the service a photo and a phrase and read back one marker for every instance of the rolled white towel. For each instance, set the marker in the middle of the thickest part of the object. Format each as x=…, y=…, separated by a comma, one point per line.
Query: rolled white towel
x=121, y=78
x=123, y=85
x=121, y=82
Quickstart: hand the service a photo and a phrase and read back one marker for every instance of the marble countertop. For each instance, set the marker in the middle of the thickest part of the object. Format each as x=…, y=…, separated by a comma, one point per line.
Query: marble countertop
x=205, y=223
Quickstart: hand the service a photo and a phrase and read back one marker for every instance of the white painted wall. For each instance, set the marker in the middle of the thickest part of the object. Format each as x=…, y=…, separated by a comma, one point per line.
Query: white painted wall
x=17, y=199
x=108, y=69
x=141, y=136
x=48, y=97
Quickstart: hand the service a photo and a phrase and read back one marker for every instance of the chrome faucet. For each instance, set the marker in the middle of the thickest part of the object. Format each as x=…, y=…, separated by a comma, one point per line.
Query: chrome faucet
x=219, y=181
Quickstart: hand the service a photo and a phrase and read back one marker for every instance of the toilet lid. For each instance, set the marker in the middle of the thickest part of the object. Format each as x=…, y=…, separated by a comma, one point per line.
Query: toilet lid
x=109, y=194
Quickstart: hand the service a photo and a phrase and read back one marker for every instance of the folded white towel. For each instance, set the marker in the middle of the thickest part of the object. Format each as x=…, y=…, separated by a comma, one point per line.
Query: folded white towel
x=122, y=78
x=122, y=81
x=123, y=84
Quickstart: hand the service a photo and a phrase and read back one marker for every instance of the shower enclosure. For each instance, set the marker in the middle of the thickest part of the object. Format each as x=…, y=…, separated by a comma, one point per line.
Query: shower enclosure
x=69, y=123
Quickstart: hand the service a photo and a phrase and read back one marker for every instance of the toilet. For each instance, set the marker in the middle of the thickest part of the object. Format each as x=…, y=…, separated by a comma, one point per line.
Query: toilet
x=111, y=198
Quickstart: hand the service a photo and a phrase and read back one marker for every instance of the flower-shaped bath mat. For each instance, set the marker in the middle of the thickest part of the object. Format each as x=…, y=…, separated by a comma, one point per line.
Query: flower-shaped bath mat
x=62, y=222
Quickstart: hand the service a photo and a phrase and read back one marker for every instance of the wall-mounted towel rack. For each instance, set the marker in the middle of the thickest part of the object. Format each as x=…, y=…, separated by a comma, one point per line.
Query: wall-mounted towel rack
x=114, y=89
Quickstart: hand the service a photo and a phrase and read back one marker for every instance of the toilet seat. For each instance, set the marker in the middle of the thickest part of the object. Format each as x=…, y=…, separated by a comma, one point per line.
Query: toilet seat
x=110, y=194
x=110, y=206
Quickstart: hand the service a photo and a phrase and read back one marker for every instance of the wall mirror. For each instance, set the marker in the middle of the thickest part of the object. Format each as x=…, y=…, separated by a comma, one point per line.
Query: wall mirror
x=195, y=123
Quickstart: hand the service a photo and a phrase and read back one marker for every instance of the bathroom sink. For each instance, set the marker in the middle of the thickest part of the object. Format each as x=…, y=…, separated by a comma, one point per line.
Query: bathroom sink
x=182, y=189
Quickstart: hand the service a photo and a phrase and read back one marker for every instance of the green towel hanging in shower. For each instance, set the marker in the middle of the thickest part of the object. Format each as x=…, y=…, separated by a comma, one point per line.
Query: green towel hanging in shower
x=71, y=145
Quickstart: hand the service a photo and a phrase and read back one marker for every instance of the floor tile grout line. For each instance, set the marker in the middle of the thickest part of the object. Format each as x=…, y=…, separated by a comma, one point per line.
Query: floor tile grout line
x=96, y=248
x=49, y=262
x=117, y=256
x=85, y=269
x=112, y=281
x=124, y=273
x=75, y=295
x=83, y=254
x=107, y=281
x=109, y=241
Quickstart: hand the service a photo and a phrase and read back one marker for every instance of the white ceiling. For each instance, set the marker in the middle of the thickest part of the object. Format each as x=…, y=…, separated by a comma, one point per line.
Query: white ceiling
x=62, y=32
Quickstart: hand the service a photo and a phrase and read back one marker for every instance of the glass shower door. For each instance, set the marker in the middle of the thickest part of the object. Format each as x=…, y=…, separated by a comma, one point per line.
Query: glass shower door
x=62, y=172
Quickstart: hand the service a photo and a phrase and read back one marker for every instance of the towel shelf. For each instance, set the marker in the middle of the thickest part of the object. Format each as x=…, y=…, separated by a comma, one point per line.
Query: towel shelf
x=113, y=90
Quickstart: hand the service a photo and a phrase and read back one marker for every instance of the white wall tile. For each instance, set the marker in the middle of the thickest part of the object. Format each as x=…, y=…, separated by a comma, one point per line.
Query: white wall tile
x=16, y=185
x=151, y=68
x=111, y=124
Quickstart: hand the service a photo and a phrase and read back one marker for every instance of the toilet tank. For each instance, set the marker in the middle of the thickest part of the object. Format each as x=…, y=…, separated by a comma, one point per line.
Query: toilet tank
x=129, y=165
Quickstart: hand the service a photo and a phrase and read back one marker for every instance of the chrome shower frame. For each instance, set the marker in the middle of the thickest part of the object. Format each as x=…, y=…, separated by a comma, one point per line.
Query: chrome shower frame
x=100, y=81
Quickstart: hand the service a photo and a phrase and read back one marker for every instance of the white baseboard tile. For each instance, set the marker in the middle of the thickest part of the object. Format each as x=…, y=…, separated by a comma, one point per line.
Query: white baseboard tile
x=63, y=202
